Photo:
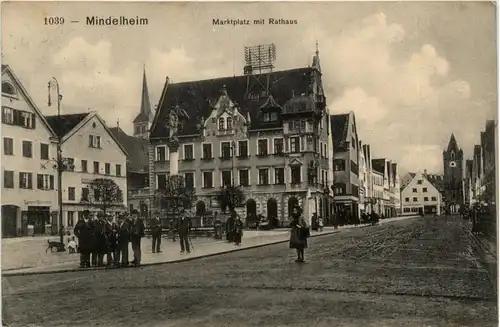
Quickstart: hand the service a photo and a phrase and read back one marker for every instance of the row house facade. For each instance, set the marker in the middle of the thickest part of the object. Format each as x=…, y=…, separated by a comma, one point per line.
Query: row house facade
x=421, y=197
x=90, y=151
x=29, y=197
x=268, y=133
x=392, y=191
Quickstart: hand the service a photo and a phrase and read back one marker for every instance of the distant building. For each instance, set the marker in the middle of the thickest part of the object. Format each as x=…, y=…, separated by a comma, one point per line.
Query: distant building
x=390, y=182
x=92, y=152
x=29, y=196
x=345, y=164
x=370, y=199
x=453, y=162
x=420, y=196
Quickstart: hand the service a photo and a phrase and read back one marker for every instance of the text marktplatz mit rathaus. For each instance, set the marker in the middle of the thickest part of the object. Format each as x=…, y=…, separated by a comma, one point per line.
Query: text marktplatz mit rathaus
x=270, y=21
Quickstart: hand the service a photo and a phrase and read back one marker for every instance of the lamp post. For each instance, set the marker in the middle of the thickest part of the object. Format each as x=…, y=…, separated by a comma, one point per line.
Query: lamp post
x=60, y=164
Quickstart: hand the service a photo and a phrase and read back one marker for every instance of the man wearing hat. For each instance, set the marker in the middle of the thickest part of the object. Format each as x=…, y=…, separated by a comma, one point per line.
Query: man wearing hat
x=136, y=236
x=156, y=230
x=83, y=230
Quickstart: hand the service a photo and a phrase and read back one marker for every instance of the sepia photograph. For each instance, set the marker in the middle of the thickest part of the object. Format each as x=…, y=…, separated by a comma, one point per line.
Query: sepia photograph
x=249, y=164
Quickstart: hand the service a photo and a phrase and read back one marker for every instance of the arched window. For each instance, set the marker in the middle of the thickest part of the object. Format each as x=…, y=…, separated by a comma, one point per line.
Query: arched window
x=8, y=88
x=221, y=123
x=229, y=123
x=452, y=155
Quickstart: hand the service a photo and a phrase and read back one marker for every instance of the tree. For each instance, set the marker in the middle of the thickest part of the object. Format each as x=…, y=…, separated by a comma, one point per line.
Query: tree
x=230, y=197
x=103, y=193
x=175, y=195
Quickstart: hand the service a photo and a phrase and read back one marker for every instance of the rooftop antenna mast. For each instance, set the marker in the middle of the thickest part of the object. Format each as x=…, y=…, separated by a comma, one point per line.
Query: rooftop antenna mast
x=259, y=63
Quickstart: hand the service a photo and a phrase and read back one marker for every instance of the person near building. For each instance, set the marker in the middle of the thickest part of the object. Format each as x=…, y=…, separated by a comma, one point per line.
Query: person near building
x=156, y=230
x=172, y=229
x=320, y=224
x=299, y=233
x=184, y=227
x=83, y=231
x=136, y=236
x=124, y=230
x=112, y=240
x=238, y=230
x=101, y=244
x=230, y=227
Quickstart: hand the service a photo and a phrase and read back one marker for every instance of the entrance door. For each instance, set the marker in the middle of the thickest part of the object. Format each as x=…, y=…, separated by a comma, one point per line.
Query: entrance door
x=9, y=220
x=272, y=212
x=38, y=217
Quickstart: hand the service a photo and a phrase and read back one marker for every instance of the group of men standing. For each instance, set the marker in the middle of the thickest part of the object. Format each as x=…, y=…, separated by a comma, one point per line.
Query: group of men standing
x=99, y=236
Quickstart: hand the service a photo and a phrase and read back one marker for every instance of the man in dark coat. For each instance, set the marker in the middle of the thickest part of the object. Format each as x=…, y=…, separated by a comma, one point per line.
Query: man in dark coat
x=101, y=245
x=136, y=236
x=156, y=230
x=230, y=227
x=111, y=240
x=184, y=227
x=124, y=231
x=83, y=230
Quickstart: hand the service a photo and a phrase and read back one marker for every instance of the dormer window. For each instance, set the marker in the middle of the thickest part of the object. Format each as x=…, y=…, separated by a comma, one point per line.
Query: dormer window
x=229, y=122
x=8, y=88
x=221, y=123
x=270, y=117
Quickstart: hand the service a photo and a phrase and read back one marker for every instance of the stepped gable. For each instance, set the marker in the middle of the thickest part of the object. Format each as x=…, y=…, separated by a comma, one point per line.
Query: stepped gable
x=197, y=97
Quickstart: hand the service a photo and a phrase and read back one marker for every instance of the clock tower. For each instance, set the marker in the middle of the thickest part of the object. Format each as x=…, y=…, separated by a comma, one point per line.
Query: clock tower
x=453, y=160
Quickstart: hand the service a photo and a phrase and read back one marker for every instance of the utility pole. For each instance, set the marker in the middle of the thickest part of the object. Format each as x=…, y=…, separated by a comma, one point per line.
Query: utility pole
x=60, y=164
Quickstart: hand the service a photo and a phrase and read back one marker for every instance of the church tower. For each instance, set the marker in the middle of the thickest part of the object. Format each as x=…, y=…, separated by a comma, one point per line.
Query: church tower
x=453, y=160
x=143, y=120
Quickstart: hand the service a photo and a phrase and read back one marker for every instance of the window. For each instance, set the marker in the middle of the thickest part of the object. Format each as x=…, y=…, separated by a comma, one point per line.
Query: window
x=137, y=129
x=18, y=118
x=8, y=115
x=433, y=198
x=8, y=88
x=97, y=194
x=189, y=180
x=243, y=149
x=71, y=193
x=161, y=153
x=426, y=199
x=339, y=164
x=353, y=142
x=278, y=146
x=296, y=178
x=270, y=117
x=27, y=149
x=95, y=141
x=339, y=189
x=85, y=194
x=294, y=144
x=424, y=190
x=45, y=182
x=419, y=182
x=208, y=179
x=415, y=199
x=69, y=164
x=84, y=166
x=414, y=190
x=118, y=170
x=262, y=147
x=96, y=167
x=229, y=123
x=297, y=125
x=244, y=180
x=207, y=151
x=44, y=151
x=225, y=148
x=26, y=180
x=107, y=168
x=71, y=218
x=226, y=178
x=8, y=146
x=279, y=176
x=407, y=199
x=161, y=181
x=8, y=179
x=325, y=150
x=188, y=152
x=264, y=176
x=221, y=123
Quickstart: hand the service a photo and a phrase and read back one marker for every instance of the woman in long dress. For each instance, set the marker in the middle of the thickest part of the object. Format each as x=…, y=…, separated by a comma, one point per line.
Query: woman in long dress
x=298, y=234
x=238, y=230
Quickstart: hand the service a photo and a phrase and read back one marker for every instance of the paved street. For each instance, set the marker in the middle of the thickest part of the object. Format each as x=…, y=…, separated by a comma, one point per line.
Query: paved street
x=416, y=272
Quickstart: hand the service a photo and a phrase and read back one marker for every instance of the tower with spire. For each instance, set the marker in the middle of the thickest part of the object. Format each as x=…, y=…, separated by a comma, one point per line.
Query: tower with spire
x=143, y=120
x=453, y=164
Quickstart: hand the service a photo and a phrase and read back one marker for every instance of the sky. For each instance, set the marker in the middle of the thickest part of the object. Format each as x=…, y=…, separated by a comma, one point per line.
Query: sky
x=412, y=72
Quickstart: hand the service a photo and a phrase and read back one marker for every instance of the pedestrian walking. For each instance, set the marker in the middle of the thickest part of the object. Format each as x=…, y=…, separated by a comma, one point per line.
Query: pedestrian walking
x=83, y=231
x=230, y=227
x=299, y=234
x=320, y=224
x=184, y=227
x=156, y=230
x=238, y=230
x=136, y=236
x=124, y=230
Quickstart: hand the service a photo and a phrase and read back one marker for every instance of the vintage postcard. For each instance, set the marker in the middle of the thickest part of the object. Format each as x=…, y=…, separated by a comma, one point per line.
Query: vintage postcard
x=249, y=164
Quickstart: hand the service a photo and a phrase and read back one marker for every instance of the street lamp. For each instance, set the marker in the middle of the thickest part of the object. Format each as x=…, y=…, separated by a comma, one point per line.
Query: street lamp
x=61, y=165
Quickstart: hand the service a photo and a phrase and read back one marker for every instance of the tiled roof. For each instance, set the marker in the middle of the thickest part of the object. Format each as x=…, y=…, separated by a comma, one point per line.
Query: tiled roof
x=196, y=97
x=137, y=150
x=141, y=117
x=379, y=165
x=339, y=125
x=63, y=124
